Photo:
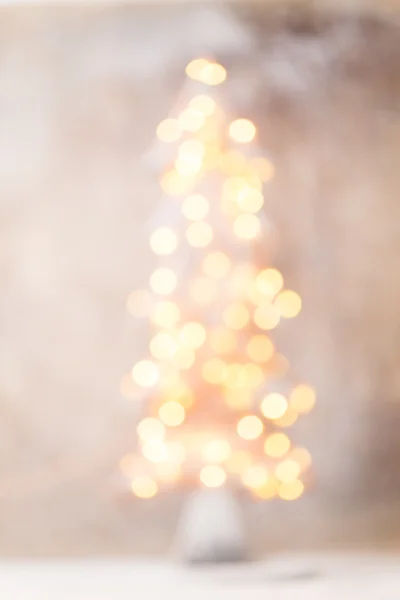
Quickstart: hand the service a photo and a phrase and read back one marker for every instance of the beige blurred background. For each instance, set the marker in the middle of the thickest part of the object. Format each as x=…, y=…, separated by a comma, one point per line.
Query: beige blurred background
x=81, y=92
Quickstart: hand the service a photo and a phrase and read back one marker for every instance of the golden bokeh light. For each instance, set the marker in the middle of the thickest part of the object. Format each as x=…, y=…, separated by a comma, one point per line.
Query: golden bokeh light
x=150, y=429
x=214, y=371
x=216, y=265
x=288, y=471
x=268, y=490
x=289, y=418
x=274, y=406
x=188, y=166
x=278, y=366
x=236, y=376
x=195, y=67
x=223, y=341
x=139, y=303
x=176, y=452
x=191, y=120
x=256, y=476
x=302, y=457
x=277, y=445
x=242, y=131
x=172, y=414
x=168, y=473
x=163, y=281
x=204, y=104
x=250, y=427
x=291, y=490
x=155, y=451
x=236, y=316
x=302, y=398
x=173, y=184
x=247, y=226
x=195, y=207
x=233, y=162
x=163, y=346
x=267, y=317
x=239, y=400
x=182, y=393
x=144, y=487
x=239, y=461
x=184, y=358
x=264, y=168
x=169, y=130
x=203, y=291
x=145, y=373
x=212, y=476
x=199, y=234
x=260, y=348
x=269, y=282
x=288, y=303
x=212, y=74
x=254, y=375
x=250, y=200
x=193, y=335
x=217, y=451
x=165, y=314
x=192, y=148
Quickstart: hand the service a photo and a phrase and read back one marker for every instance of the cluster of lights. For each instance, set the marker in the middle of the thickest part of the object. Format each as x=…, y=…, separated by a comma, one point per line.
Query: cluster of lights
x=236, y=356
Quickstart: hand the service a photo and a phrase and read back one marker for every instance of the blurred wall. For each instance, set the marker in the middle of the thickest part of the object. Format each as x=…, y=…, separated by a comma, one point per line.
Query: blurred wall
x=81, y=92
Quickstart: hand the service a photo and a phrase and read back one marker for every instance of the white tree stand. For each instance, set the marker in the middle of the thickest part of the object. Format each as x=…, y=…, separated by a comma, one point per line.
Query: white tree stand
x=211, y=528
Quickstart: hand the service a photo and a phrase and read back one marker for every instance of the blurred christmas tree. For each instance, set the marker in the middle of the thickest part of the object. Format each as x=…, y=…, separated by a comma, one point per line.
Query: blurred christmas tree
x=217, y=394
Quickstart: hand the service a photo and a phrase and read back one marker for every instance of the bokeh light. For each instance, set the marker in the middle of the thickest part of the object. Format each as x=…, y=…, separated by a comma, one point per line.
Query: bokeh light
x=216, y=265
x=204, y=104
x=274, y=406
x=195, y=207
x=256, y=476
x=250, y=427
x=277, y=445
x=239, y=461
x=291, y=490
x=236, y=316
x=288, y=419
x=267, y=317
x=288, y=303
x=163, y=281
x=212, y=476
x=214, y=371
x=302, y=457
x=242, y=131
x=247, y=226
x=264, y=168
x=173, y=184
x=169, y=130
x=260, y=348
x=212, y=74
x=288, y=471
x=193, y=335
x=250, y=200
x=191, y=120
x=150, y=429
x=155, y=451
x=269, y=282
x=172, y=414
x=195, y=67
x=268, y=490
x=144, y=487
x=223, y=341
x=165, y=314
x=217, y=451
x=236, y=376
x=184, y=358
x=302, y=398
x=145, y=373
x=163, y=346
x=199, y=234
x=239, y=400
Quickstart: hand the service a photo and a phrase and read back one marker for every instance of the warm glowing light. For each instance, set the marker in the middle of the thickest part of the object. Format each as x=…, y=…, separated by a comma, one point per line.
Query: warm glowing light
x=216, y=265
x=204, y=104
x=192, y=148
x=212, y=74
x=213, y=476
x=184, y=358
x=277, y=445
x=291, y=490
x=255, y=476
x=268, y=490
x=214, y=371
x=264, y=168
x=254, y=375
x=191, y=120
x=288, y=471
x=269, y=282
x=236, y=184
x=188, y=166
x=195, y=67
x=223, y=341
x=233, y=162
x=302, y=399
x=289, y=418
x=274, y=406
x=144, y=487
x=145, y=373
x=217, y=451
x=174, y=184
x=163, y=281
x=278, y=366
x=155, y=451
x=238, y=462
x=242, y=131
x=238, y=399
x=288, y=303
x=169, y=130
x=302, y=457
x=260, y=348
x=236, y=316
x=250, y=200
x=267, y=317
x=199, y=234
x=166, y=314
x=129, y=389
x=203, y=290
x=163, y=346
x=172, y=414
x=193, y=335
x=236, y=376
x=151, y=429
x=139, y=303
x=195, y=207
x=250, y=427
x=181, y=393
x=247, y=227
x=176, y=452
x=168, y=473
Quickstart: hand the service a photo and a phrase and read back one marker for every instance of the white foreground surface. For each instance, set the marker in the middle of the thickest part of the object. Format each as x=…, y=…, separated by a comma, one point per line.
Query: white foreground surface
x=308, y=578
